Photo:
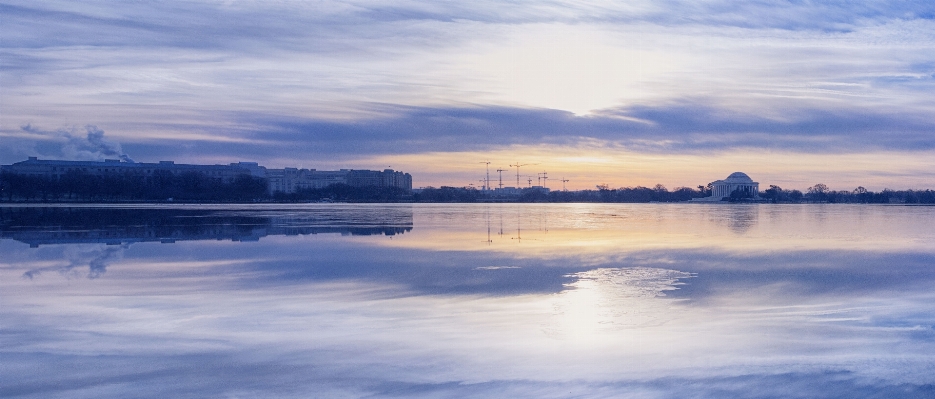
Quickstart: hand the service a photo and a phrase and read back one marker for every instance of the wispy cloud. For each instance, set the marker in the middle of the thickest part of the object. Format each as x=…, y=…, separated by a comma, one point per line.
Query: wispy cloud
x=678, y=127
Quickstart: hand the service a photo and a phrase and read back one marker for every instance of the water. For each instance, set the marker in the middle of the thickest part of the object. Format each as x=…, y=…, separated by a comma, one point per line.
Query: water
x=439, y=300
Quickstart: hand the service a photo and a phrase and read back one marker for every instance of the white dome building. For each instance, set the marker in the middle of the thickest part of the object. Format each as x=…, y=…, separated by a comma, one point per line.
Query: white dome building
x=737, y=181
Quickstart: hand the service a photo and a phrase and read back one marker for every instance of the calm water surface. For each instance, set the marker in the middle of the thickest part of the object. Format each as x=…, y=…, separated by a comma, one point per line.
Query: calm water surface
x=499, y=300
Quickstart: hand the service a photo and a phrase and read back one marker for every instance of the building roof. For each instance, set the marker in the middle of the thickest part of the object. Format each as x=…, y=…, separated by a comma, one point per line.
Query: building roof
x=738, y=177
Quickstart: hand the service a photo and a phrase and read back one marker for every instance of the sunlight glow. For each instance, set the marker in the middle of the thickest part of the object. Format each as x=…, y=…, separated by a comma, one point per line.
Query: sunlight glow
x=567, y=67
x=586, y=166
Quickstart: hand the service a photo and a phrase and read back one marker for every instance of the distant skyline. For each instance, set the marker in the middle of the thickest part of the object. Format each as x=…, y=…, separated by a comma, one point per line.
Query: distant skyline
x=671, y=92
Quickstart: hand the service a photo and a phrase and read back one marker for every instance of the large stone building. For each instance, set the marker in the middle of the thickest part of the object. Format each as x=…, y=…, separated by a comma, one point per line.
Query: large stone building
x=287, y=180
x=737, y=181
x=290, y=180
x=57, y=168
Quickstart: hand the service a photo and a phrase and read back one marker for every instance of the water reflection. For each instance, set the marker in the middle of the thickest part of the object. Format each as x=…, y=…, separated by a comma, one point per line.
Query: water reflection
x=742, y=217
x=601, y=230
x=95, y=257
x=113, y=226
x=612, y=300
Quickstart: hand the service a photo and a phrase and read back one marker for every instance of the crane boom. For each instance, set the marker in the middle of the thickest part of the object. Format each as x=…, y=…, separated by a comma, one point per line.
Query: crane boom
x=487, y=181
x=517, y=165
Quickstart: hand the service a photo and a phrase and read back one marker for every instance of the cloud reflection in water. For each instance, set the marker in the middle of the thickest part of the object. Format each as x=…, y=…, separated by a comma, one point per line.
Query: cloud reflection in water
x=95, y=256
x=439, y=311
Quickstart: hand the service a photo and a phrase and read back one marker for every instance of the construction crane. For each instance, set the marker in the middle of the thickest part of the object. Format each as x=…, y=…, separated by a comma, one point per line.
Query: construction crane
x=564, y=180
x=500, y=171
x=517, y=165
x=530, y=180
x=487, y=181
x=544, y=178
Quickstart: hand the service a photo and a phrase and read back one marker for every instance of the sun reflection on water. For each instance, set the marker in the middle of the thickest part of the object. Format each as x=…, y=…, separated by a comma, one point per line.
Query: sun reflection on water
x=600, y=296
x=605, y=300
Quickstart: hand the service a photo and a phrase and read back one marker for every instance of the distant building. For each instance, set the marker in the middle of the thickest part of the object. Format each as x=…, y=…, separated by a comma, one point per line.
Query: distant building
x=507, y=192
x=386, y=178
x=516, y=191
x=290, y=180
x=56, y=168
x=287, y=180
x=737, y=181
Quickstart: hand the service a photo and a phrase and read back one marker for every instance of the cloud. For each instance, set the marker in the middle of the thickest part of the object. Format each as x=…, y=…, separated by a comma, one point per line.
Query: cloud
x=177, y=23
x=689, y=126
x=158, y=375
x=155, y=375
x=679, y=127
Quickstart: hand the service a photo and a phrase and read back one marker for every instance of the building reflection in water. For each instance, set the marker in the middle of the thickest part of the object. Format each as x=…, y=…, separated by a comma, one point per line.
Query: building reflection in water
x=115, y=226
x=741, y=218
x=114, y=229
x=690, y=300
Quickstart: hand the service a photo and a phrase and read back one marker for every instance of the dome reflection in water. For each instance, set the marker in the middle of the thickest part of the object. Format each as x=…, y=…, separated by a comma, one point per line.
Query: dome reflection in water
x=430, y=300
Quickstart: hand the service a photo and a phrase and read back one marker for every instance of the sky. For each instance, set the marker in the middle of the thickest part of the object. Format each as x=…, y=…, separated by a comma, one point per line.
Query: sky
x=638, y=93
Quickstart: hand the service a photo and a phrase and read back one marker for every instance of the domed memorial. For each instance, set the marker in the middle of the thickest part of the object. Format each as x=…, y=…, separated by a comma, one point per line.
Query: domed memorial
x=737, y=182
x=738, y=177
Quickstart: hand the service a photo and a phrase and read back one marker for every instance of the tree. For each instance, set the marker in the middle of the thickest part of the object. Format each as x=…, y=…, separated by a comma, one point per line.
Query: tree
x=818, y=192
x=773, y=193
x=819, y=188
x=683, y=194
x=740, y=195
x=795, y=195
x=862, y=195
x=246, y=187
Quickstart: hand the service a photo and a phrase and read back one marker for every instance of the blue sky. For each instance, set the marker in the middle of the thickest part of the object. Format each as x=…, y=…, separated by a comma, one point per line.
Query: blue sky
x=679, y=93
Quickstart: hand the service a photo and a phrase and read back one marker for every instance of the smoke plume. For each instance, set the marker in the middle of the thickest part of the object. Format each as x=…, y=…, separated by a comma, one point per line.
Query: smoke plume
x=90, y=146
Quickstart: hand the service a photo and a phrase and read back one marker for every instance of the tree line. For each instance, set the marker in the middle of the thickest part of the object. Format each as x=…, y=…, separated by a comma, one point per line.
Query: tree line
x=659, y=193
x=604, y=193
x=79, y=186
x=820, y=193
